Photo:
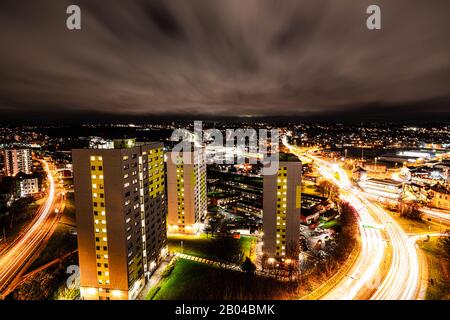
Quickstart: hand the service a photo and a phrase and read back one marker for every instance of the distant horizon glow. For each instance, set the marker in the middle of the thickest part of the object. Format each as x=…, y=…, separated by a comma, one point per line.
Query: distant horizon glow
x=206, y=59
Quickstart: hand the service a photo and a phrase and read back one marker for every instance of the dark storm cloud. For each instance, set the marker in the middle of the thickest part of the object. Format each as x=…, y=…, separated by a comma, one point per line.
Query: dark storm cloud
x=215, y=57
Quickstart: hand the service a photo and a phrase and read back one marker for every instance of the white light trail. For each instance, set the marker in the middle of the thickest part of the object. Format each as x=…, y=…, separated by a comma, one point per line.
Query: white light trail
x=403, y=278
x=23, y=248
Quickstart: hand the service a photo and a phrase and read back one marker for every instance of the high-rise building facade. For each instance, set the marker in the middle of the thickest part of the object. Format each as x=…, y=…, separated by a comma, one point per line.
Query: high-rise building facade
x=121, y=217
x=281, y=209
x=17, y=160
x=186, y=186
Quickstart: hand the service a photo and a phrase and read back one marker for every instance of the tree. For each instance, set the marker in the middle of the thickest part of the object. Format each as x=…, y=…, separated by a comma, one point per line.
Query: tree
x=213, y=223
x=444, y=243
x=248, y=266
x=325, y=187
x=265, y=261
x=303, y=244
x=411, y=211
x=292, y=250
x=292, y=258
x=67, y=294
x=334, y=191
x=227, y=249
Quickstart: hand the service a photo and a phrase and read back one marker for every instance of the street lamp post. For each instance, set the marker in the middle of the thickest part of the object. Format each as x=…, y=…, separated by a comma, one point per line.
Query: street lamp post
x=376, y=158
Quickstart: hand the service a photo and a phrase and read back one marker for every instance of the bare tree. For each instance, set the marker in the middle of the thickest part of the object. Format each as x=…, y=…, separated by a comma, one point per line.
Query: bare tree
x=444, y=243
x=325, y=187
x=292, y=258
x=411, y=211
x=248, y=266
x=264, y=262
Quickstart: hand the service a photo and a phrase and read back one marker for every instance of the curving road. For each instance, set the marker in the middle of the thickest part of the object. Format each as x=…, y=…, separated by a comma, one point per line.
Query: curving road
x=439, y=216
x=22, y=249
x=403, y=279
x=364, y=274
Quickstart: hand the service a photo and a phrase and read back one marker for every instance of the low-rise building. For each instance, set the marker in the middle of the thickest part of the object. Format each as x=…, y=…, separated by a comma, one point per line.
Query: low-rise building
x=27, y=187
x=440, y=196
x=248, y=191
x=385, y=188
x=314, y=207
x=359, y=174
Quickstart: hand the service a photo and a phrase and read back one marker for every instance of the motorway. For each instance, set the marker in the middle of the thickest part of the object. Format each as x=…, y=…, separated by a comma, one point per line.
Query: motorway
x=437, y=216
x=386, y=243
x=21, y=250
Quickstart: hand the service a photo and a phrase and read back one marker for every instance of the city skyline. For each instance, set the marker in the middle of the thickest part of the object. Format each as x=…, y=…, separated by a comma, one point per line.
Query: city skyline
x=256, y=154
x=338, y=192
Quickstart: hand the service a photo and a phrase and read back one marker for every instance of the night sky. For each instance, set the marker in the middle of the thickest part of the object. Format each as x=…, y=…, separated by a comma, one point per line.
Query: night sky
x=223, y=58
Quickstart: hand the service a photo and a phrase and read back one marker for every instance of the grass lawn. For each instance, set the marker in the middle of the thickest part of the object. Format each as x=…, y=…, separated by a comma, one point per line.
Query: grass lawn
x=310, y=188
x=191, y=280
x=25, y=217
x=411, y=226
x=68, y=216
x=185, y=271
x=61, y=242
x=201, y=246
x=438, y=270
x=192, y=245
x=21, y=219
x=330, y=224
x=248, y=247
x=217, y=194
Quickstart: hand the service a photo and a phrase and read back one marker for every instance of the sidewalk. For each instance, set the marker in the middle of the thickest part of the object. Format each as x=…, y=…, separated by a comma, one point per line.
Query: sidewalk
x=155, y=278
x=229, y=266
